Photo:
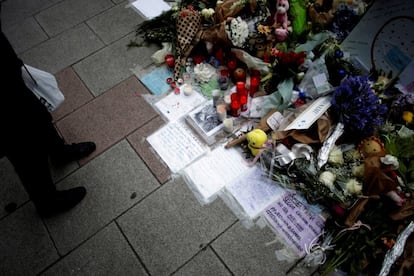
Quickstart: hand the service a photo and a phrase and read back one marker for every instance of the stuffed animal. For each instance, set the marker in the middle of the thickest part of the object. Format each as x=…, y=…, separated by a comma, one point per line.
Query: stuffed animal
x=281, y=21
x=255, y=139
x=281, y=15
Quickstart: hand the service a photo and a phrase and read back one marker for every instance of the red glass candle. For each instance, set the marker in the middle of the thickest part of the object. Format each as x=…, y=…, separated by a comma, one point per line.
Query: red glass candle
x=235, y=108
x=240, y=86
x=243, y=103
x=169, y=59
x=254, y=85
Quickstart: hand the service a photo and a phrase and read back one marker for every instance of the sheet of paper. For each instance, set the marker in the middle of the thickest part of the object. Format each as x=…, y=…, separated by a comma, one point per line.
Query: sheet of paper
x=156, y=80
x=150, y=9
x=294, y=220
x=174, y=107
x=254, y=192
x=311, y=114
x=177, y=145
x=387, y=29
x=209, y=174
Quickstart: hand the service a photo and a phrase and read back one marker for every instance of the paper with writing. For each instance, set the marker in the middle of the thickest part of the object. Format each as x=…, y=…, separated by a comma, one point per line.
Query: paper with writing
x=311, y=114
x=254, y=191
x=174, y=107
x=177, y=145
x=294, y=220
x=209, y=174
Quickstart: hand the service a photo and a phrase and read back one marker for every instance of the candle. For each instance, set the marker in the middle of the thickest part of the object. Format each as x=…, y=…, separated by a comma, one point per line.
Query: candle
x=228, y=125
x=216, y=95
x=243, y=103
x=188, y=89
x=221, y=112
x=235, y=108
x=254, y=85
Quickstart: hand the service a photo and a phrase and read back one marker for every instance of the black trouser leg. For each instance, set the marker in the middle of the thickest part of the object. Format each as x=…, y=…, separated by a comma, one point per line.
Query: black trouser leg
x=32, y=167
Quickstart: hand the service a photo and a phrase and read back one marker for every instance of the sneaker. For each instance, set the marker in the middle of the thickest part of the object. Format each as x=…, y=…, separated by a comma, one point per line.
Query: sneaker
x=73, y=152
x=61, y=202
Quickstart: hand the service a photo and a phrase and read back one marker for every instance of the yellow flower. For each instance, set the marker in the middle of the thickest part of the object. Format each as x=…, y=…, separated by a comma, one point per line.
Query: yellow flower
x=408, y=116
x=263, y=29
x=327, y=178
x=353, y=186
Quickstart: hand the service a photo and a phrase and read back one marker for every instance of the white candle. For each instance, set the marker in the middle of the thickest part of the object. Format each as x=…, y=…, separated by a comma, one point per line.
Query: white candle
x=228, y=125
x=188, y=89
x=221, y=112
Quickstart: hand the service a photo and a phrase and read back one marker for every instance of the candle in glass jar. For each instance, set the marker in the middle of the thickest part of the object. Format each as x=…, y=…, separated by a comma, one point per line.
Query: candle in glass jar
x=235, y=108
x=254, y=85
x=221, y=111
x=228, y=125
x=243, y=103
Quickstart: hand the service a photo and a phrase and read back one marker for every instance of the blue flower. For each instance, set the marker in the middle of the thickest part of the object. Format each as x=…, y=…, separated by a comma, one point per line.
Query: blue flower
x=356, y=106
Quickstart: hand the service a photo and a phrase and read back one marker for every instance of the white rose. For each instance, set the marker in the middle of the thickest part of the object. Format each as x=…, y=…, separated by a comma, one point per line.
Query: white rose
x=327, y=178
x=336, y=157
x=358, y=171
x=390, y=160
x=353, y=186
x=204, y=72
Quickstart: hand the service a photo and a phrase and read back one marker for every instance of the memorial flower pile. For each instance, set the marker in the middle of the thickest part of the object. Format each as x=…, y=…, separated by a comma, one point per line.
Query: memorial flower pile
x=356, y=161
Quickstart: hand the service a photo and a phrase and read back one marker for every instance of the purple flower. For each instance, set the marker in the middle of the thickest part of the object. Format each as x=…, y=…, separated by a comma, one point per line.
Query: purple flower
x=356, y=106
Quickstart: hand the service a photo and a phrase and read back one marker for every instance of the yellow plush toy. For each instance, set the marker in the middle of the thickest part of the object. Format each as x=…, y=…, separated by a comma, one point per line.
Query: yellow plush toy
x=255, y=139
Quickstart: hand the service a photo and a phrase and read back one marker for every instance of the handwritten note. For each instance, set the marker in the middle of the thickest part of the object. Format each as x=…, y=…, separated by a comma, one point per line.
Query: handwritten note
x=209, y=174
x=174, y=107
x=254, y=192
x=177, y=145
x=294, y=220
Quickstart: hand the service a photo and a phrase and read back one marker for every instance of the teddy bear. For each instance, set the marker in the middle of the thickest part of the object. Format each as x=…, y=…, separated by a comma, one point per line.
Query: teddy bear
x=281, y=21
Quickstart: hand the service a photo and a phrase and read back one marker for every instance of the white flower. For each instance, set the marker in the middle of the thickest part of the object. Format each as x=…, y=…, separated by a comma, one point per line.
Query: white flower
x=207, y=13
x=336, y=157
x=390, y=160
x=353, y=186
x=204, y=72
x=327, y=178
x=237, y=31
x=219, y=2
x=358, y=171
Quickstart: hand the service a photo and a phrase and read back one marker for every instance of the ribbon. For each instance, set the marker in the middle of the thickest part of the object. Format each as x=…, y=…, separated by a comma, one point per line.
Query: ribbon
x=356, y=226
x=286, y=156
x=316, y=253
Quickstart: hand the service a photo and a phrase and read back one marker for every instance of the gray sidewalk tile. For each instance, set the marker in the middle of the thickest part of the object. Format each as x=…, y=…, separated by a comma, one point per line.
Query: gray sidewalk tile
x=115, y=181
x=26, y=248
x=106, y=253
x=204, y=263
x=170, y=226
x=109, y=118
x=245, y=252
x=75, y=92
x=69, y=13
x=146, y=152
x=25, y=35
x=113, y=64
x=63, y=50
x=11, y=189
x=14, y=12
x=115, y=23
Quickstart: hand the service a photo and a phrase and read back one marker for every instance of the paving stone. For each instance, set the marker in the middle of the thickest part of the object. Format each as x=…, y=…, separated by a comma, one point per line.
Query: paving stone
x=16, y=11
x=244, y=251
x=146, y=152
x=109, y=118
x=170, y=226
x=69, y=13
x=113, y=64
x=26, y=248
x=11, y=188
x=25, y=35
x=115, y=181
x=63, y=50
x=75, y=92
x=115, y=23
x=204, y=263
x=106, y=253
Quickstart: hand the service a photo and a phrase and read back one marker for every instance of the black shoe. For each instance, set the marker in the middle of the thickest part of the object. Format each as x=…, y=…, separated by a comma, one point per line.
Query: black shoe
x=73, y=152
x=61, y=202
